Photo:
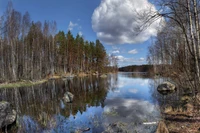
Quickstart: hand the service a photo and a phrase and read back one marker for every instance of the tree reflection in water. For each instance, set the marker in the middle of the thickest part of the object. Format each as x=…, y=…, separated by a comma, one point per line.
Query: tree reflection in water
x=41, y=107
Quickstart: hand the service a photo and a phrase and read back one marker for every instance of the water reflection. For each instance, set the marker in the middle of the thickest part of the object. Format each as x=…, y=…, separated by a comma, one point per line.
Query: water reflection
x=41, y=108
x=98, y=102
x=133, y=113
x=131, y=103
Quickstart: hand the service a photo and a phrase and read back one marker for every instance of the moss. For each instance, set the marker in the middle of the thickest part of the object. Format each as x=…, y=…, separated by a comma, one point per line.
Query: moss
x=21, y=84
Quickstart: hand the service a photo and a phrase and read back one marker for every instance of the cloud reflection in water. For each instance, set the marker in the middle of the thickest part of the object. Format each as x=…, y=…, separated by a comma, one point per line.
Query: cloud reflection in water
x=131, y=111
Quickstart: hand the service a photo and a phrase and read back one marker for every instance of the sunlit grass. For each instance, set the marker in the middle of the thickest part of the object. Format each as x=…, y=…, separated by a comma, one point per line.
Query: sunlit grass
x=21, y=84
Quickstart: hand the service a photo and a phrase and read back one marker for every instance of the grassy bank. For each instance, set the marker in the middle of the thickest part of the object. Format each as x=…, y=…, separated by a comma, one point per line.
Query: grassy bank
x=22, y=84
x=27, y=83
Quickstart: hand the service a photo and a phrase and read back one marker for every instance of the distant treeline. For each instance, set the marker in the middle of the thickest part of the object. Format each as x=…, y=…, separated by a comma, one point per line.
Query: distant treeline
x=137, y=68
x=32, y=50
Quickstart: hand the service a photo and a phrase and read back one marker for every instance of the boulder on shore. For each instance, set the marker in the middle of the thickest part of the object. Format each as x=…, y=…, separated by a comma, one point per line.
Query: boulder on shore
x=7, y=114
x=68, y=97
x=166, y=87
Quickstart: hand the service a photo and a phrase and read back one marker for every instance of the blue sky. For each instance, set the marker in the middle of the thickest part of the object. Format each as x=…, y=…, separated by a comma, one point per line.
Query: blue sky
x=111, y=21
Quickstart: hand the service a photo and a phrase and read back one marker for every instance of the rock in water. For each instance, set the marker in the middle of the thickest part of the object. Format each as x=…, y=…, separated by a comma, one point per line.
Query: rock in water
x=162, y=128
x=7, y=114
x=166, y=87
x=68, y=97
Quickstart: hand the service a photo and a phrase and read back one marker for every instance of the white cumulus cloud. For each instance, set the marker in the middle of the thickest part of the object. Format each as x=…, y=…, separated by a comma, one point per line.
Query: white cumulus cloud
x=134, y=51
x=117, y=21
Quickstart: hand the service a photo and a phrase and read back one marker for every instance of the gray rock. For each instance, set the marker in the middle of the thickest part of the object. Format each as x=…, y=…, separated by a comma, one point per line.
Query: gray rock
x=7, y=114
x=166, y=87
x=68, y=97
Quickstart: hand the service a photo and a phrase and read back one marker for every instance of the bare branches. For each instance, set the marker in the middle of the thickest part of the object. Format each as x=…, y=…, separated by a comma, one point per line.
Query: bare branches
x=182, y=31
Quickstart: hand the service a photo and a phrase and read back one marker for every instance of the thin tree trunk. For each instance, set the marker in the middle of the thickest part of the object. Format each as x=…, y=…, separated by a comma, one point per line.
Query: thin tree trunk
x=53, y=52
x=193, y=41
x=2, y=60
x=13, y=61
x=197, y=27
x=32, y=60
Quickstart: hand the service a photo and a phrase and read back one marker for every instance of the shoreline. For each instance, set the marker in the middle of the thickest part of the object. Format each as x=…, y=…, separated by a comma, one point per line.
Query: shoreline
x=24, y=83
x=183, y=114
x=28, y=83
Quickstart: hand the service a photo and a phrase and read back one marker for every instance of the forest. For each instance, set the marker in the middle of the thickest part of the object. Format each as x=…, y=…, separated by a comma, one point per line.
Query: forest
x=137, y=68
x=33, y=50
x=175, y=52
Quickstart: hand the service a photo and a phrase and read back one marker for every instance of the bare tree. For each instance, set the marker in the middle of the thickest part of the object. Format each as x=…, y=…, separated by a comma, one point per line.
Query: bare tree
x=182, y=44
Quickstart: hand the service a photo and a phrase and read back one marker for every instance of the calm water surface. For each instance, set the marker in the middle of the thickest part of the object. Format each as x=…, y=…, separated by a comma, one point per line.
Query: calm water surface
x=124, y=97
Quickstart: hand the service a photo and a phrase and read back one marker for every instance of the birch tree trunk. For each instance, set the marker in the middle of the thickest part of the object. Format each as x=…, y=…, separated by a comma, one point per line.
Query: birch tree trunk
x=13, y=61
x=194, y=45
x=196, y=27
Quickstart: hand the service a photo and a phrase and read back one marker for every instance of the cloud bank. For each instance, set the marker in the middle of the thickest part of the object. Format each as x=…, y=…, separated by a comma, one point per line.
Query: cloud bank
x=116, y=21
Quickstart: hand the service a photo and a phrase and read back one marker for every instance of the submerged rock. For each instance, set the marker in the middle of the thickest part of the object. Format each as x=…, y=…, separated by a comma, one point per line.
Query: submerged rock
x=68, y=97
x=166, y=88
x=7, y=114
x=162, y=128
x=82, y=130
x=116, y=128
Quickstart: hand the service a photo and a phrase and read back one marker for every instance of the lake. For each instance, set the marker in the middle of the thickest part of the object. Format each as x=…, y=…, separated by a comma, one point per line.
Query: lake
x=127, y=99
